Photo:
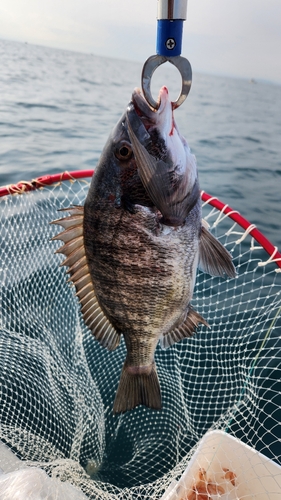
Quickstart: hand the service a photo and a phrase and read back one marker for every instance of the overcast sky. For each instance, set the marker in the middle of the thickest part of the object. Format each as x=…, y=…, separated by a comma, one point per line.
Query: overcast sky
x=232, y=37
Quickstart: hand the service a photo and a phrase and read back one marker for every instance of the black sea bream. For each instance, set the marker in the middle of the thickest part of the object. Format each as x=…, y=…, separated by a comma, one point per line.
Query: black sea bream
x=134, y=248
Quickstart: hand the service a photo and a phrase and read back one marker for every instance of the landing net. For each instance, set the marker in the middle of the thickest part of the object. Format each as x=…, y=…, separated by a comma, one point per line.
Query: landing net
x=58, y=384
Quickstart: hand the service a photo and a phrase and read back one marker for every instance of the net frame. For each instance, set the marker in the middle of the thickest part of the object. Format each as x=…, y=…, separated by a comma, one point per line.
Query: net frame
x=224, y=212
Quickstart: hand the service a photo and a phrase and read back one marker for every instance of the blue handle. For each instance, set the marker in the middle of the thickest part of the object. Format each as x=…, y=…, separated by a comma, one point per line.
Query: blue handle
x=169, y=37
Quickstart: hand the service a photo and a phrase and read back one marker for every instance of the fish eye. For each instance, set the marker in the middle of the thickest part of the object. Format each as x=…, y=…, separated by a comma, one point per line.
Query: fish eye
x=123, y=151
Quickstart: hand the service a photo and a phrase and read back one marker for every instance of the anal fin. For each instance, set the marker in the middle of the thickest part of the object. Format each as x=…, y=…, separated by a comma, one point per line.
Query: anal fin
x=185, y=330
x=214, y=259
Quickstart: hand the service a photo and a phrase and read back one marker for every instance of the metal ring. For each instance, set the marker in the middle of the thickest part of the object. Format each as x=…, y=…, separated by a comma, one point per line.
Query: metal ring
x=152, y=63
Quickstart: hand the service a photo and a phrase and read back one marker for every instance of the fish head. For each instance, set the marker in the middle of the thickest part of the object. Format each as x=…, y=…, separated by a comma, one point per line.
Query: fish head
x=146, y=161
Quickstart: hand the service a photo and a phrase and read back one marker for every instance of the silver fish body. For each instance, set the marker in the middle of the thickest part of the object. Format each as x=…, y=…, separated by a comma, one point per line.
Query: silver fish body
x=142, y=240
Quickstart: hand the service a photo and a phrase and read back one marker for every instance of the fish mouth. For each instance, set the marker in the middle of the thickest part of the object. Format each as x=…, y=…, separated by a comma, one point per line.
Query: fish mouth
x=143, y=110
x=148, y=115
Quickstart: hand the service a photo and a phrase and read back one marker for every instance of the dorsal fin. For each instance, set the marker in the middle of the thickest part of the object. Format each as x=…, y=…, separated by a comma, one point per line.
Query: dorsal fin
x=79, y=272
x=186, y=329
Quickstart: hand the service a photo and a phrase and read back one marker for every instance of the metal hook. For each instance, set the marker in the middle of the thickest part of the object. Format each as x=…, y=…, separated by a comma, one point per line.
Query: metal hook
x=152, y=63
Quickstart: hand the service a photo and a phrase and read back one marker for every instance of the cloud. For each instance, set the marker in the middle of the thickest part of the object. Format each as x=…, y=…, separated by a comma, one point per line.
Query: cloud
x=241, y=37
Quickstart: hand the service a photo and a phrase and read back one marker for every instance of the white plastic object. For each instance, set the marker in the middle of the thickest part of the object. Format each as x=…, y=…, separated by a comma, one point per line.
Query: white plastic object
x=241, y=472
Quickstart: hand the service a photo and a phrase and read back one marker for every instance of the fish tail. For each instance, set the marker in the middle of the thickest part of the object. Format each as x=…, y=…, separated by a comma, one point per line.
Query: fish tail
x=139, y=385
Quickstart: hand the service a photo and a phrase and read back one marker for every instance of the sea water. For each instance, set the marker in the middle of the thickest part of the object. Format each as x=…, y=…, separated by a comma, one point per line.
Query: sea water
x=57, y=109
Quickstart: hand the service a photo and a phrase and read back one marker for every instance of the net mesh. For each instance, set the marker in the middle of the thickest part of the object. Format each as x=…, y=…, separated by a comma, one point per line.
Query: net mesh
x=58, y=384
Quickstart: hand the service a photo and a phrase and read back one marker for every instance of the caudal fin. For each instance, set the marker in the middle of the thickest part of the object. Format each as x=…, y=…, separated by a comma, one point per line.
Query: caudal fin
x=137, y=386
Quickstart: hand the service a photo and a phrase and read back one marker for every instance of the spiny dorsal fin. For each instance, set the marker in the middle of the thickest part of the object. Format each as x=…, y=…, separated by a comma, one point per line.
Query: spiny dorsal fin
x=186, y=329
x=76, y=260
x=214, y=259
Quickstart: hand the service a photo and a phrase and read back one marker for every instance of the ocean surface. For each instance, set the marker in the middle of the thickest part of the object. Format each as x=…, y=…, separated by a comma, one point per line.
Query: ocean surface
x=57, y=108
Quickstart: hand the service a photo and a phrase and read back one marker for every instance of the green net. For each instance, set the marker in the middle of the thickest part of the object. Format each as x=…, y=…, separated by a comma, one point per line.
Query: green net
x=58, y=384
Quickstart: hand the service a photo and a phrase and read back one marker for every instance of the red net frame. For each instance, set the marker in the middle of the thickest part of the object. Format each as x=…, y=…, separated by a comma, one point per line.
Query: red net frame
x=47, y=180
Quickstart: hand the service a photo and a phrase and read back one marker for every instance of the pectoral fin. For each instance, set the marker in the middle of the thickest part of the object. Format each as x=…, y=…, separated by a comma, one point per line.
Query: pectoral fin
x=214, y=259
x=169, y=191
x=76, y=260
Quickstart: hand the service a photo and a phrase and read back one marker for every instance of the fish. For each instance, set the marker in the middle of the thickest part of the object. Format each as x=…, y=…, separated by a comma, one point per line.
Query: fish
x=133, y=249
